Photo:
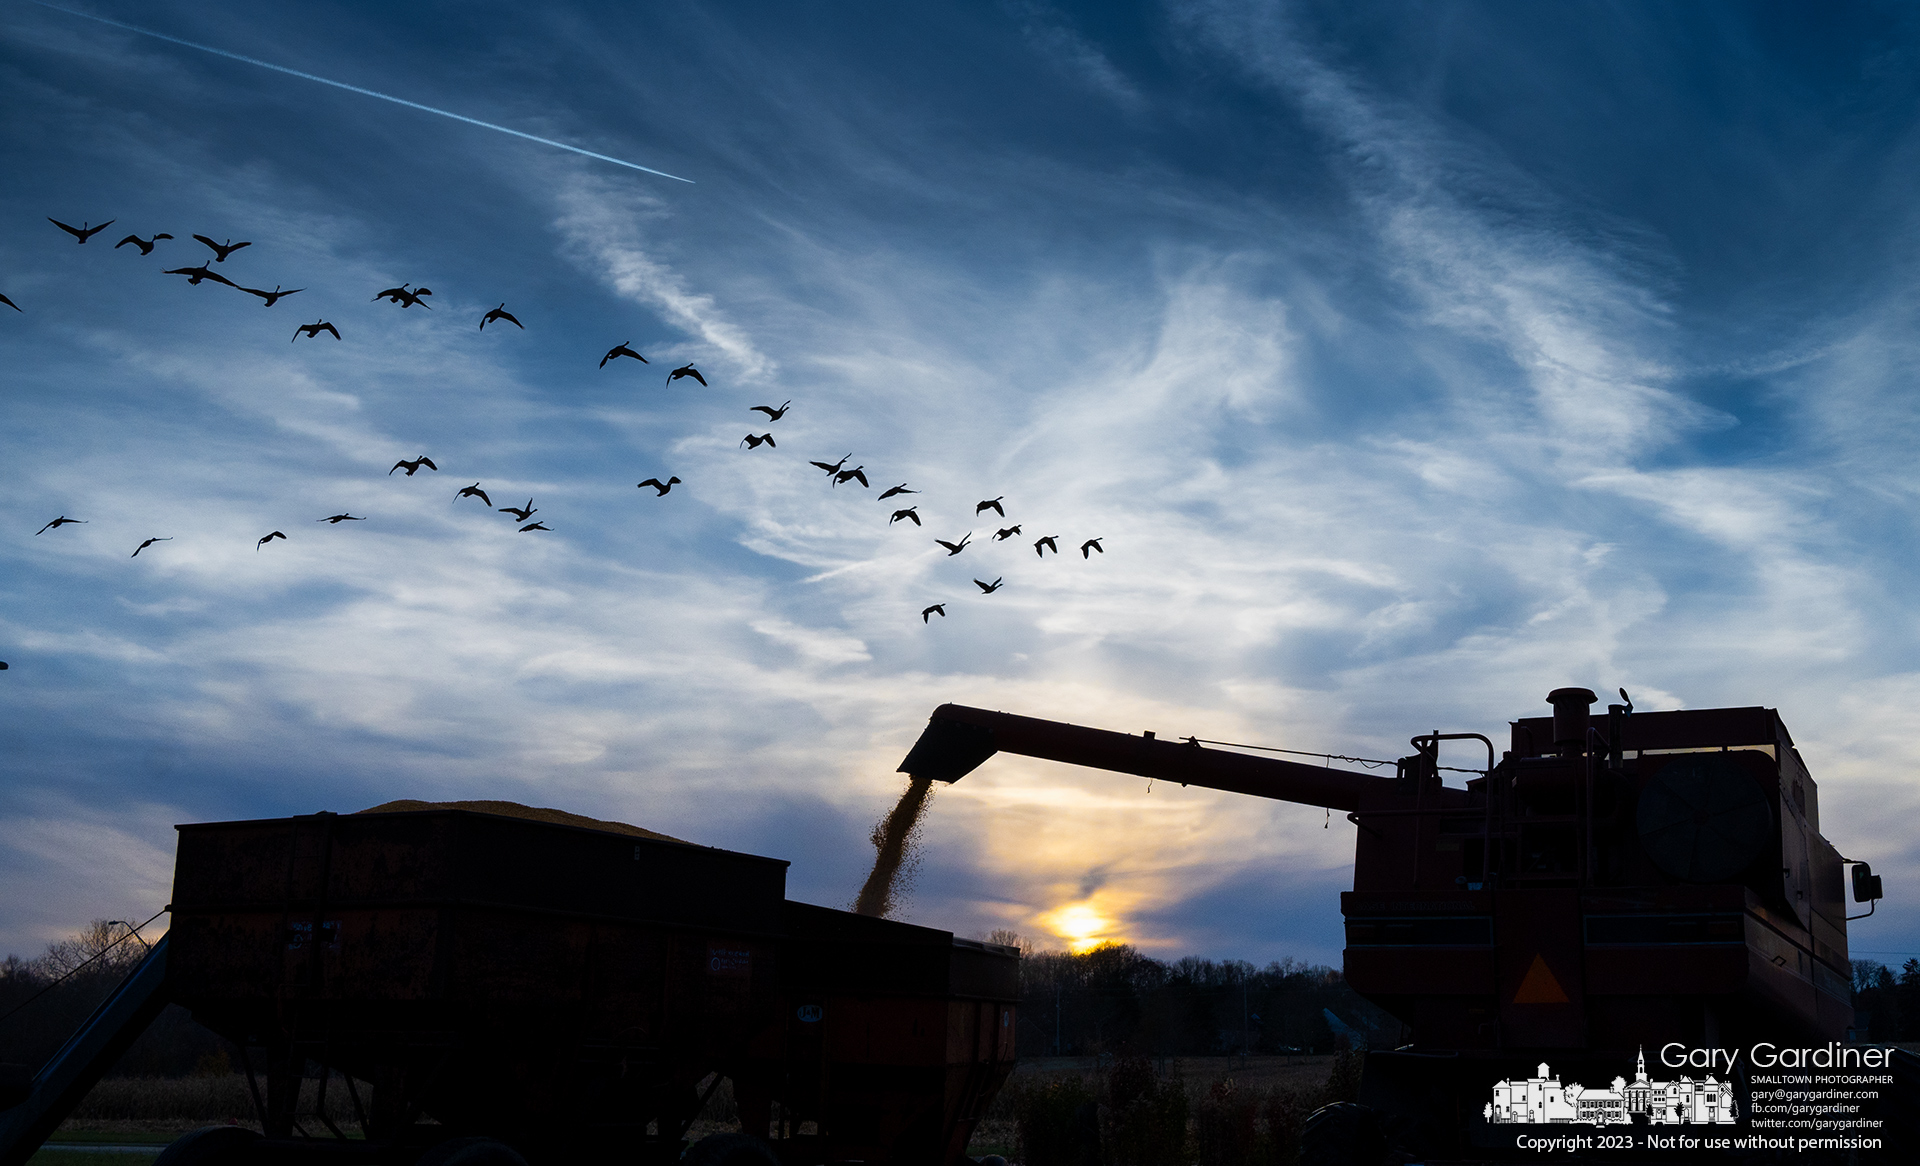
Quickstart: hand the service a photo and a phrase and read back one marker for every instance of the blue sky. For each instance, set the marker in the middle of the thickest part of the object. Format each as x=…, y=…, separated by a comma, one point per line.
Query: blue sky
x=1411, y=360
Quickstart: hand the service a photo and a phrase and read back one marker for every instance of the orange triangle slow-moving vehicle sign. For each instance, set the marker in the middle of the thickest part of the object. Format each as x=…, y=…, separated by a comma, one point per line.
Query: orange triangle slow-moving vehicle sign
x=1539, y=986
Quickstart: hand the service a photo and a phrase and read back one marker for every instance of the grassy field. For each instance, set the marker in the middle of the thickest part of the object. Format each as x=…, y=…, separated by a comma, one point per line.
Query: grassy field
x=156, y=1139
x=1199, y=1076
x=154, y=1111
x=1200, y=1073
x=159, y=1105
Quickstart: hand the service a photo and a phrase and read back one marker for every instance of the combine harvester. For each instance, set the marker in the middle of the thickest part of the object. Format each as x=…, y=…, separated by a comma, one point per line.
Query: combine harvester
x=491, y=990
x=1612, y=884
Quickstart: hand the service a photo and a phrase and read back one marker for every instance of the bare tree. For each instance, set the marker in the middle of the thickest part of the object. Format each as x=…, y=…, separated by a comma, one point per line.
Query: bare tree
x=1008, y=937
x=102, y=935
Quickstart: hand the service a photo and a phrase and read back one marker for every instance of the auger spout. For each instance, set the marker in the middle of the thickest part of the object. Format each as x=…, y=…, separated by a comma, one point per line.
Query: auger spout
x=958, y=739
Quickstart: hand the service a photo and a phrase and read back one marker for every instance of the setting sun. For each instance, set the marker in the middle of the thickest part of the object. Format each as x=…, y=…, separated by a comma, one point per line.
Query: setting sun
x=1082, y=925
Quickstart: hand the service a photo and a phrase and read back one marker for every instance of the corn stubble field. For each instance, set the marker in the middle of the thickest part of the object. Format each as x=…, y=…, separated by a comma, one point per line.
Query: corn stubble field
x=1061, y=1111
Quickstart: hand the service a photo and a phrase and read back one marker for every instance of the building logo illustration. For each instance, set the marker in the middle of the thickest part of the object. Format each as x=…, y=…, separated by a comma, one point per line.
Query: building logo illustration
x=1543, y=1100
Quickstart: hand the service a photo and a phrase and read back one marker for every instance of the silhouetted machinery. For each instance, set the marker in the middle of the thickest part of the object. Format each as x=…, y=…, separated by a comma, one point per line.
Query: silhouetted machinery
x=1611, y=882
x=517, y=990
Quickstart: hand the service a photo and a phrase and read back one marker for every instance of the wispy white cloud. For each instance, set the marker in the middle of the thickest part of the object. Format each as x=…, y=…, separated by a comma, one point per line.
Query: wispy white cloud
x=1053, y=36
x=826, y=647
x=603, y=229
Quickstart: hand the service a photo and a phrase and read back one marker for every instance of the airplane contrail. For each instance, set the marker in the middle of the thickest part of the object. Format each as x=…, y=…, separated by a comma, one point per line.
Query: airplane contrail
x=357, y=89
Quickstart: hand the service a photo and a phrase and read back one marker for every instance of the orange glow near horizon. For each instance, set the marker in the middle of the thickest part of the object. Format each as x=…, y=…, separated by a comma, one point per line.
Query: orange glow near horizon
x=1082, y=925
x=1088, y=857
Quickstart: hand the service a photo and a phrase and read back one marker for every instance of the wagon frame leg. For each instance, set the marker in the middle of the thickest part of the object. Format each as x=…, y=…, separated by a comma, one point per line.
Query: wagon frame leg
x=320, y=1103
x=284, y=1077
x=359, y=1111
x=253, y=1085
x=699, y=1107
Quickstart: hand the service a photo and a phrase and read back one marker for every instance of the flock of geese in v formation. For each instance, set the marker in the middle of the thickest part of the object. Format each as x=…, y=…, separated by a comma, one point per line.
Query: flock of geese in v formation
x=407, y=296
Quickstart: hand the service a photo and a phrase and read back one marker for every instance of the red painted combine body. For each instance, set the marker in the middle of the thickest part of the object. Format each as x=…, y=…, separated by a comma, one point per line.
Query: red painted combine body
x=1611, y=882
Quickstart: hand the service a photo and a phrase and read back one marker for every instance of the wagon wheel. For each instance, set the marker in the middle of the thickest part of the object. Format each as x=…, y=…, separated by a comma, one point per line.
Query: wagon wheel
x=209, y=1146
x=730, y=1150
x=471, y=1152
x=1342, y=1134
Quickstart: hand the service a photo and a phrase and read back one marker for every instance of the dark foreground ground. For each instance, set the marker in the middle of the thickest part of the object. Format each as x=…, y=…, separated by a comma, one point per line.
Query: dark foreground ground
x=128, y=1112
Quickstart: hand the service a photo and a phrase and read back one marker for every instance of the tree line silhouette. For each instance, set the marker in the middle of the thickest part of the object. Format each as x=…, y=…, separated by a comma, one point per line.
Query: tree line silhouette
x=1886, y=1004
x=1116, y=1000
x=43, y=1000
